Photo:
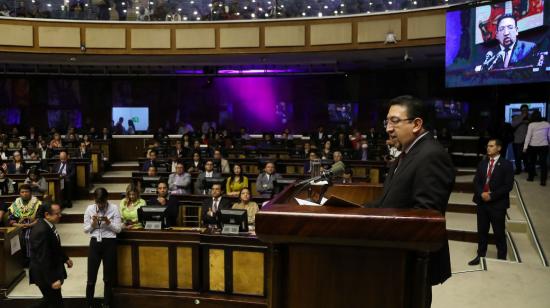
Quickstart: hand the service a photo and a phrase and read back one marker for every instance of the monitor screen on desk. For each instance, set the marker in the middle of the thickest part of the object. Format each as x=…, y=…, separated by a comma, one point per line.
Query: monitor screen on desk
x=152, y=216
x=234, y=218
x=149, y=183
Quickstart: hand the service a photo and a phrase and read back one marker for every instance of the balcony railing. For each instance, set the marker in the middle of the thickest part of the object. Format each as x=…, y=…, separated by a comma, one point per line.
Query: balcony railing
x=203, y=10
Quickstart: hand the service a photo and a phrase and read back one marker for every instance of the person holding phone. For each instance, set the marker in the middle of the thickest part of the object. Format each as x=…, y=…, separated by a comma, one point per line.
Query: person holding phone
x=102, y=222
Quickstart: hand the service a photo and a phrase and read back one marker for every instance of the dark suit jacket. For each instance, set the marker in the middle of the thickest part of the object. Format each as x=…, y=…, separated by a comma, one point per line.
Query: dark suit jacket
x=13, y=170
x=522, y=55
x=500, y=183
x=423, y=180
x=71, y=171
x=47, y=256
x=223, y=203
x=149, y=163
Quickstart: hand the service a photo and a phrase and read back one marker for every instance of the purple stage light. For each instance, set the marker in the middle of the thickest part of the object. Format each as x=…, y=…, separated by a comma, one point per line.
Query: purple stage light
x=190, y=72
x=258, y=71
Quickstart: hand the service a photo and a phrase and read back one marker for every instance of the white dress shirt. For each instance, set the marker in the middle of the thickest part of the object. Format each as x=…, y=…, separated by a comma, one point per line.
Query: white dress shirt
x=103, y=231
x=538, y=134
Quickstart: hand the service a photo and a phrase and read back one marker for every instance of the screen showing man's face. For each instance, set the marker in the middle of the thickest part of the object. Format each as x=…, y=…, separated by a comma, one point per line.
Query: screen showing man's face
x=507, y=32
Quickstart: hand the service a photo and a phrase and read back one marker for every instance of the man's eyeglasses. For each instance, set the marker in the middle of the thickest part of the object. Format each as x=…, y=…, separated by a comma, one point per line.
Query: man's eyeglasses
x=393, y=121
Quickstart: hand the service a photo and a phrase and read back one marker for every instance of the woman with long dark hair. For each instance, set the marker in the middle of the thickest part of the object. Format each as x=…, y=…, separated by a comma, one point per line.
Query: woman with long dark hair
x=236, y=182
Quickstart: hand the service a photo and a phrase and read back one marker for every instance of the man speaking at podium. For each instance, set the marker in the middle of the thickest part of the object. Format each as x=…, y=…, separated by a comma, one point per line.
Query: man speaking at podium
x=422, y=177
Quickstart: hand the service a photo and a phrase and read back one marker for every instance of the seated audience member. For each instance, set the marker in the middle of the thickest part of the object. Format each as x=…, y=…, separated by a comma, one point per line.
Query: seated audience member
x=362, y=153
x=307, y=165
x=306, y=150
x=186, y=142
x=200, y=184
x=180, y=151
x=236, y=182
x=372, y=136
x=264, y=182
x=129, y=208
x=152, y=161
x=196, y=163
x=15, y=143
x=152, y=171
x=326, y=152
x=34, y=156
x=22, y=213
x=17, y=166
x=7, y=185
x=87, y=141
x=44, y=150
x=160, y=134
x=172, y=206
x=67, y=171
x=337, y=156
x=245, y=204
x=224, y=164
x=212, y=205
x=3, y=152
x=318, y=138
x=25, y=154
x=356, y=140
x=347, y=176
x=180, y=181
x=392, y=151
x=342, y=141
x=56, y=141
x=286, y=140
x=32, y=135
x=84, y=151
x=38, y=184
x=267, y=142
x=105, y=134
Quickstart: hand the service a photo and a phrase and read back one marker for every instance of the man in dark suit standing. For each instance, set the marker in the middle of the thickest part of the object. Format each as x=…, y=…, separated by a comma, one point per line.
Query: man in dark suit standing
x=493, y=182
x=67, y=172
x=47, y=268
x=211, y=206
x=422, y=177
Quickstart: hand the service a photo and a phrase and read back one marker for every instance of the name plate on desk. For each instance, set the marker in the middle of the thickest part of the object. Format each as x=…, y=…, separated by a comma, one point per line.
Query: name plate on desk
x=153, y=225
x=230, y=229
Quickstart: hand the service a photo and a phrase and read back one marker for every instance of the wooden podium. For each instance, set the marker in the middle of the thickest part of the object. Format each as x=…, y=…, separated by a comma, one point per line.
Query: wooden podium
x=347, y=257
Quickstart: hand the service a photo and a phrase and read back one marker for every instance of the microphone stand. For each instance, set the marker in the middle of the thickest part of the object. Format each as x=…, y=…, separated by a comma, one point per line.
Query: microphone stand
x=307, y=183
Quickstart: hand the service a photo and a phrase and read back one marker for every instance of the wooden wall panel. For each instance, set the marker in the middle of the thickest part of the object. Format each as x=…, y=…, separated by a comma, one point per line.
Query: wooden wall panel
x=419, y=27
x=124, y=265
x=16, y=35
x=59, y=37
x=376, y=30
x=196, y=38
x=184, y=261
x=150, y=38
x=216, y=263
x=240, y=37
x=153, y=258
x=330, y=34
x=105, y=38
x=248, y=273
x=284, y=36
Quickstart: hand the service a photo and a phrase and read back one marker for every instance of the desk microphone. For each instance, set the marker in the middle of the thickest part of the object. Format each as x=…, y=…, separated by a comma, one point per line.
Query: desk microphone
x=336, y=169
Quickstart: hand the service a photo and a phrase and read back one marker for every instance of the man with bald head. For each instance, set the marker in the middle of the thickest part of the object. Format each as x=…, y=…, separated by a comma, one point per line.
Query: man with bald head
x=66, y=170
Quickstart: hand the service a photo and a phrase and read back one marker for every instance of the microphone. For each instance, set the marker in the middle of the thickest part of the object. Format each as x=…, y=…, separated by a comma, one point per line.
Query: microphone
x=500, y=54
x=336, y=169
x=488, y=57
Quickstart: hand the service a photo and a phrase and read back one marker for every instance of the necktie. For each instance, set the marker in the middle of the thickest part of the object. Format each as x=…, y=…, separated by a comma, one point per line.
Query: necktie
x=507, y=57
x=55, y=231
x=215, y=205
x=399, y=159
x=62, y=169
x=489, y=172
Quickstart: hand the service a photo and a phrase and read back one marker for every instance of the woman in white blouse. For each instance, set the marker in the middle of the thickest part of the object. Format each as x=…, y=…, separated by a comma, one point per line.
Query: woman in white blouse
x=536, y=146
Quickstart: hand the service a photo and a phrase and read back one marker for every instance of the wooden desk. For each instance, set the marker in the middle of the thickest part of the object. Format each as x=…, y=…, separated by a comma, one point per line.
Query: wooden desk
x=11, y=269
x=54, y=184
x=176, y=269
